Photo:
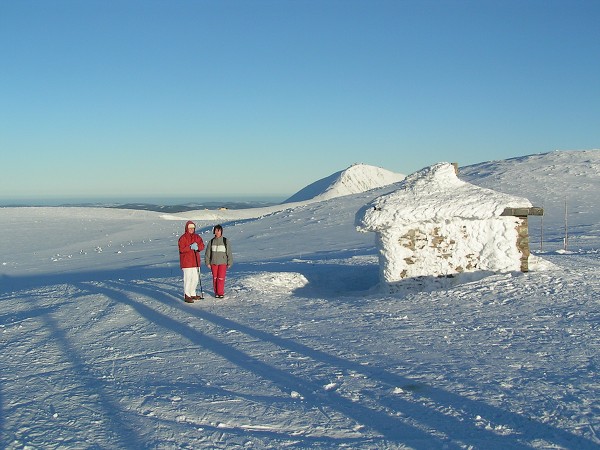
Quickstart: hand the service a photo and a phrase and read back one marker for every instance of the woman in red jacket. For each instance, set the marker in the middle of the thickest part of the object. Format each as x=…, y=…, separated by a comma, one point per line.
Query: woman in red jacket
x=190, y=244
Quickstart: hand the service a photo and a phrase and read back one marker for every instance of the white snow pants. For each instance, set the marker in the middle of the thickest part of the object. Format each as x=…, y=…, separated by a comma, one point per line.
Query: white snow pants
x=190, y=281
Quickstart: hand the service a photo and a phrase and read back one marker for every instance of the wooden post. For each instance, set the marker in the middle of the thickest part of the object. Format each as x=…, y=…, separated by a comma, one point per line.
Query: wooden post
x=566, y=241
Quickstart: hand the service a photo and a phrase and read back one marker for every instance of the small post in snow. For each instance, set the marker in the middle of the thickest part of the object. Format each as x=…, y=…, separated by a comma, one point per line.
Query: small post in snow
x=566, y=240
x=542, y=231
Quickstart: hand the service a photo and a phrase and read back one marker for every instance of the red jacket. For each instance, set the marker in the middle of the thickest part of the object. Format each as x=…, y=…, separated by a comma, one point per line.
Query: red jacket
x=187, y=256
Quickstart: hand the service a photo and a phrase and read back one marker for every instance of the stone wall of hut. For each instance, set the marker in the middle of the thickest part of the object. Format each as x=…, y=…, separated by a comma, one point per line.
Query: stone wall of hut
x=453, y=247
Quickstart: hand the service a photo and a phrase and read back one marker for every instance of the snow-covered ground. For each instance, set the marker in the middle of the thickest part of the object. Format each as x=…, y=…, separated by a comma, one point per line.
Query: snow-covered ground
x=98, y=350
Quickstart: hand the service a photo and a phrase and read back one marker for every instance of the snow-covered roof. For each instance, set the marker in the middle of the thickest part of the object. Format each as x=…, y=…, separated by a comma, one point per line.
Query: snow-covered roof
x=435, y=194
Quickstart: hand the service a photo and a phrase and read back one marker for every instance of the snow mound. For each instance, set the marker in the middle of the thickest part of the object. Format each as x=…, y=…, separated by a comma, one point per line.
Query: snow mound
x=274, y=282
x=354, y=180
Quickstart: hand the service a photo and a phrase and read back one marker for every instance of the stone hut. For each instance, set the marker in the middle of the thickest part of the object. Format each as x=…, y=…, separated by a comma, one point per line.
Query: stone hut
x=436, y=225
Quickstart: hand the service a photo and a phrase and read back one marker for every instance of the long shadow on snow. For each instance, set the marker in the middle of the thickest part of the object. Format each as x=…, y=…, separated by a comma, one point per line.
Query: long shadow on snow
x=9, y=284
x=122, y=434
x=389, y=426
x=7, y=320
x=202, y=386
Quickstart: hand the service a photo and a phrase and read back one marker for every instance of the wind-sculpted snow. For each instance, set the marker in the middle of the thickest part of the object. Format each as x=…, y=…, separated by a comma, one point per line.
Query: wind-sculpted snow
x=98, y=349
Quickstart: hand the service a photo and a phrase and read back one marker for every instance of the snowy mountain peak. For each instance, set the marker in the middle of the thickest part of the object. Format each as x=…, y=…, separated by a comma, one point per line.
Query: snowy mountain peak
x=355, y=179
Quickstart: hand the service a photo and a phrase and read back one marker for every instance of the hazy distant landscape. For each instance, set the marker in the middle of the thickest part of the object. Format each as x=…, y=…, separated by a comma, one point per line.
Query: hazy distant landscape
x=159, y=205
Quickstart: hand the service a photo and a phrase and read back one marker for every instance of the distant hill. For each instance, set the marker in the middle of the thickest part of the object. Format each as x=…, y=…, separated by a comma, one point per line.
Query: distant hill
x=556, y=181
x=354, y=180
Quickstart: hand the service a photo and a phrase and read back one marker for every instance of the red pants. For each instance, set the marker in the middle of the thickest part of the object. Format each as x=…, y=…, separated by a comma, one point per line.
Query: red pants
x=218, y=272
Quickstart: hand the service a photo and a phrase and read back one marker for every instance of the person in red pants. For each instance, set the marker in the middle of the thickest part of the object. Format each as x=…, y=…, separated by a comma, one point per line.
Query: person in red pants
x=218, y=258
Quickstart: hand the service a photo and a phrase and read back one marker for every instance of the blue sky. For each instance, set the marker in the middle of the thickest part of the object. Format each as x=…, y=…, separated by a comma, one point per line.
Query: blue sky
x=145, y=98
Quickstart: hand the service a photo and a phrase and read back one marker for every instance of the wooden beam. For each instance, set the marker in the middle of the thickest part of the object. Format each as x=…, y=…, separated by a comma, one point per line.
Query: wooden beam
x=523, y=212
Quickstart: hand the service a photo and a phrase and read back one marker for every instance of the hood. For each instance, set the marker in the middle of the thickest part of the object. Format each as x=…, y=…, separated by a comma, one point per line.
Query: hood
x=186, y=225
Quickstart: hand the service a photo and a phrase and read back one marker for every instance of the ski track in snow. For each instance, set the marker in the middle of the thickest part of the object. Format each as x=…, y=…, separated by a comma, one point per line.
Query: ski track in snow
x=304, y=352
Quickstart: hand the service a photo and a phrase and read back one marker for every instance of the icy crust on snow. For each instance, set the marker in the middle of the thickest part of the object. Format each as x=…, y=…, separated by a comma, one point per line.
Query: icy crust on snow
x=355, y=179
x=435, y=194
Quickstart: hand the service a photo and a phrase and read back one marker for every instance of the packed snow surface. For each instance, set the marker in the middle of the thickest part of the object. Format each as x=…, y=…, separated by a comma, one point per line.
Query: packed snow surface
x=98, y=349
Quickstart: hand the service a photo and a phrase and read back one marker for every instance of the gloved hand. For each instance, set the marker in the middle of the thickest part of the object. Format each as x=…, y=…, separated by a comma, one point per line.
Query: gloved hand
x=194, y=246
